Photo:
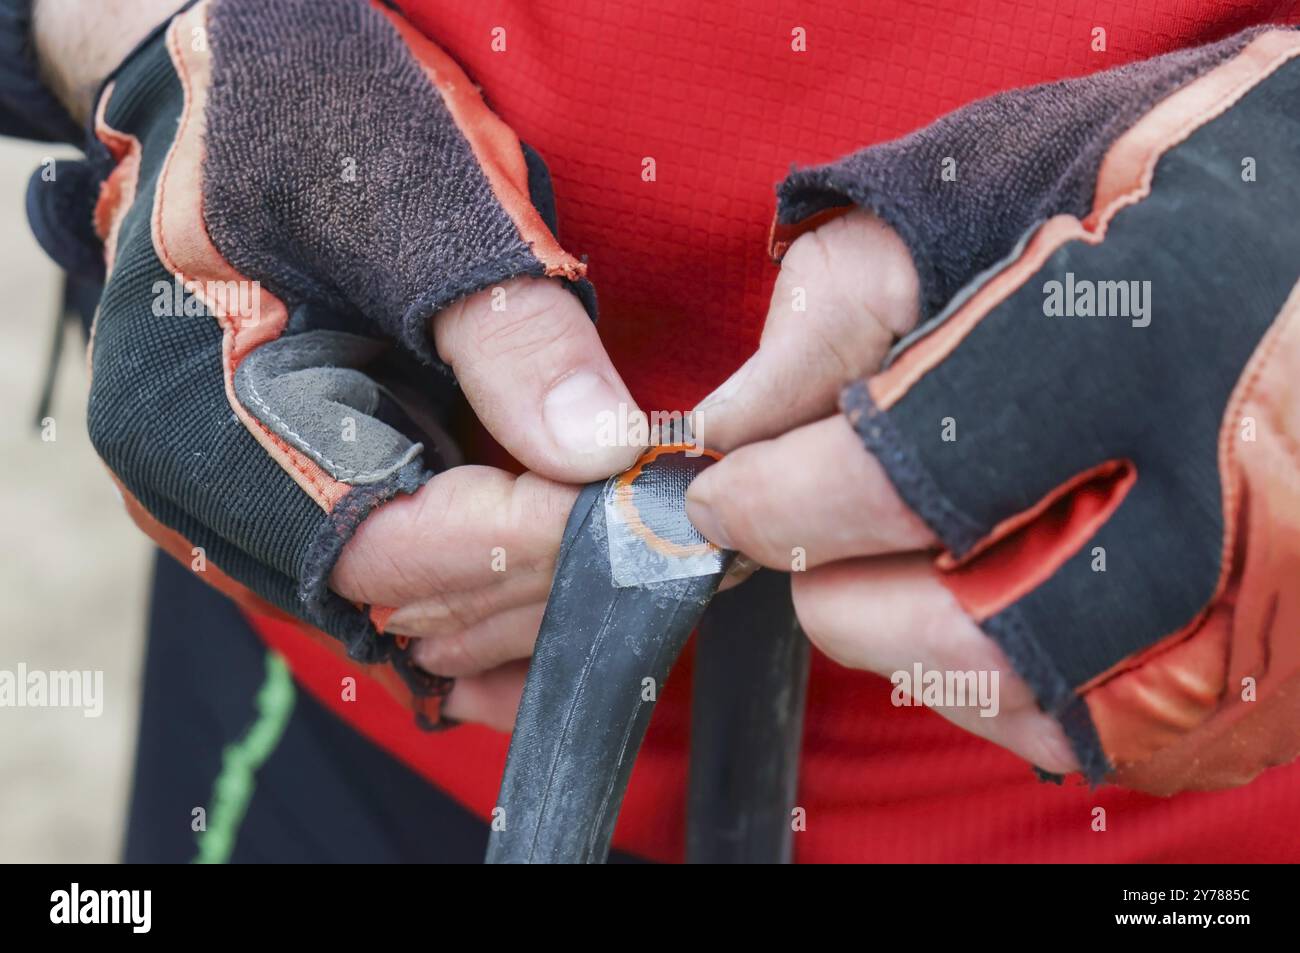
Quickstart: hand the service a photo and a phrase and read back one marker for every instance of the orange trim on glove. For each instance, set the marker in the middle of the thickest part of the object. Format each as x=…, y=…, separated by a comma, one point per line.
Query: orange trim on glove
x=495, y=146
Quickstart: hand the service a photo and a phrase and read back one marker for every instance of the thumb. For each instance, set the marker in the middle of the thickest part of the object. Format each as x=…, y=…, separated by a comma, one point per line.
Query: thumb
x=846, y=291
x=535, y=372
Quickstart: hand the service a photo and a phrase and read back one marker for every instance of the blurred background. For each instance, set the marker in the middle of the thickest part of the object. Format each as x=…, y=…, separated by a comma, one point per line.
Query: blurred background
x=72, y=571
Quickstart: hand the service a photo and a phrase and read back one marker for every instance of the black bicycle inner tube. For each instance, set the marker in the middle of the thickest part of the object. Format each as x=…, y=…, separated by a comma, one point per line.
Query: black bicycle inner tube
x=632, y=579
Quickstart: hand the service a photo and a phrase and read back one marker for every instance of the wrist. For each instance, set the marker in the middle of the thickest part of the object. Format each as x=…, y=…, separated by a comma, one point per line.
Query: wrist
x=77, y=45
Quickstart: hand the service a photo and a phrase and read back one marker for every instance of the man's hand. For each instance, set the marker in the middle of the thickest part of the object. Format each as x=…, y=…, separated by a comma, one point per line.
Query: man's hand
x=799, y=492
x=1104, y=459
x=468, y=559
x=279, y=288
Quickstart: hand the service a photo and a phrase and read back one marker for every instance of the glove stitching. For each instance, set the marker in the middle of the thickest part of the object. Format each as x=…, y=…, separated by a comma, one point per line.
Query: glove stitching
x=343, y=473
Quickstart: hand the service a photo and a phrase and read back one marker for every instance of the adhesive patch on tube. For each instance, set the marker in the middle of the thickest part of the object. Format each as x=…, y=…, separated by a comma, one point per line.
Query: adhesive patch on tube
x=650, y=538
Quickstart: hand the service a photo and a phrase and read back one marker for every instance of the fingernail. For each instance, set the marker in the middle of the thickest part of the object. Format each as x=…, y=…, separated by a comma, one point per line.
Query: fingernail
x=702, y=517
x=416, y=619
x=739, y=571
x=727, y=389
x=742, y=566
x=579, y=409
x=1059, y=755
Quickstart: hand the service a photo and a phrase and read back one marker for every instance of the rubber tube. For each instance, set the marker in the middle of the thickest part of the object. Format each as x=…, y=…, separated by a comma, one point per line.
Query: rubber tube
x=749, y=684
x=601, y=659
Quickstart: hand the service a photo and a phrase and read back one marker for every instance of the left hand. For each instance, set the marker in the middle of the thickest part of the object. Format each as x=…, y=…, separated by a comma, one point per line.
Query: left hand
x=801, y=493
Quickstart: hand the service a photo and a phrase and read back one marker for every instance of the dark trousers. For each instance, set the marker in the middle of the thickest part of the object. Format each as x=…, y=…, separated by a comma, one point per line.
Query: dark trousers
x=286, y=782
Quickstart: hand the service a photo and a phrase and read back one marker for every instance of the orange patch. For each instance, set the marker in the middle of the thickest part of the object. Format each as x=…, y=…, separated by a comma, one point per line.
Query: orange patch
x=623, y=499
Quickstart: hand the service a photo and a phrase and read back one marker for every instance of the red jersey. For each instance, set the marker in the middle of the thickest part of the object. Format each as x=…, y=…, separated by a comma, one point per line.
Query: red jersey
x=724, y=97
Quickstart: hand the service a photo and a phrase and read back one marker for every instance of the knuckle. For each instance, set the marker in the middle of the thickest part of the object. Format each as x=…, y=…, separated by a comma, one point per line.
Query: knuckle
x=810, y=256
x=449, y=655
x=537, y=318
x=436, y=501
x=839, y=335
x=868, y=275
x=460, y=502
x=468, y=609
x=539, y=507
x=365, y=570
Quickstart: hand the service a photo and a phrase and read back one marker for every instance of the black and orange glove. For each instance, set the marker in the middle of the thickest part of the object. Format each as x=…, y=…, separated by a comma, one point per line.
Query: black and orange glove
x=288, y=192
x=1098, y=415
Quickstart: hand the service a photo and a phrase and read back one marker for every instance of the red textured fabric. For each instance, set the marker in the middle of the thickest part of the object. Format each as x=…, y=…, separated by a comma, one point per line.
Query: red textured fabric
x=714, y=93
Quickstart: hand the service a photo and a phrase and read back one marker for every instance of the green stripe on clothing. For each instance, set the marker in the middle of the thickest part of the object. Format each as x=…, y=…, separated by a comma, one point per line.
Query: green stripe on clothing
x=241, y=760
